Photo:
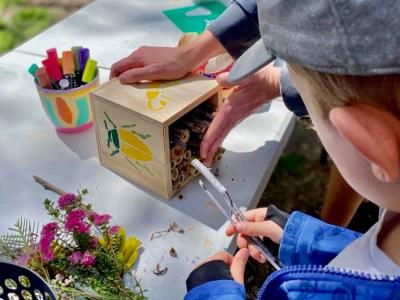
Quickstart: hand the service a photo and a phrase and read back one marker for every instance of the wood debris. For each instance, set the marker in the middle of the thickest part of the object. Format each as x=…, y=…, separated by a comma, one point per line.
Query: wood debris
x=172, y=227
x=159, y=271
x=172, y=252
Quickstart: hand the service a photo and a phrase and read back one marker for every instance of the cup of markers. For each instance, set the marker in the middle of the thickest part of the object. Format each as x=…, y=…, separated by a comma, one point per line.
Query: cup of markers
x=63, y=84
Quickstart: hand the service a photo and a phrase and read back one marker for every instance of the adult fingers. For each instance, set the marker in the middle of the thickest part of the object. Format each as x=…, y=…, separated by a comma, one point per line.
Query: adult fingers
x=124, y=65
x=256, y=254
x=149, y=72
x=238, y=265
x=253, y=215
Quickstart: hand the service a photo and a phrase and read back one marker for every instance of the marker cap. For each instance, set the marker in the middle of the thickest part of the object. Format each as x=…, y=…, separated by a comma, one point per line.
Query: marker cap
x=53, y=69
x=32, y=69
x=68, y=62
x=52, y=53
x=75, y=50
x=43, y=78
x=83, y=57
x=90, y=70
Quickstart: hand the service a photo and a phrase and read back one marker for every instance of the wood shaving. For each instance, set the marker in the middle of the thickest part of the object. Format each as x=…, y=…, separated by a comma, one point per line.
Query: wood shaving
x=172, y=227
x=172, y=252
x=160, y=271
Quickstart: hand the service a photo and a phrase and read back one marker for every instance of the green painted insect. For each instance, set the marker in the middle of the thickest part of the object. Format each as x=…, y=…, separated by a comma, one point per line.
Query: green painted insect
x=129, y=143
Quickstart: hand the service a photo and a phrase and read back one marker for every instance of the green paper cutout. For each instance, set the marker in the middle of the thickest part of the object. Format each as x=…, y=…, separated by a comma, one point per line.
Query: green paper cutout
x=195, y=18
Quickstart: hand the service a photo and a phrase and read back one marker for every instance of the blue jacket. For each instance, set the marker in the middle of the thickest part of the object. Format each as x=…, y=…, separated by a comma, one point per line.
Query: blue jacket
x=307, y=245
x=237, y=29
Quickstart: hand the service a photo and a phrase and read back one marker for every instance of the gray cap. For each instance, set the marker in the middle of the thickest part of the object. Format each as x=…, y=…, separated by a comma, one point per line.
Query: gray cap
x=348, y=37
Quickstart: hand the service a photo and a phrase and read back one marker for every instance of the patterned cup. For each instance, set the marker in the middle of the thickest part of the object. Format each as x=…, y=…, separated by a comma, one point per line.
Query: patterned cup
x=69, y=110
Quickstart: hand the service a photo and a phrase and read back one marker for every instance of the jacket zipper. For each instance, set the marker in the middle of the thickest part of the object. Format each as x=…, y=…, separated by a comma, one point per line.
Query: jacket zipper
x=327, y=270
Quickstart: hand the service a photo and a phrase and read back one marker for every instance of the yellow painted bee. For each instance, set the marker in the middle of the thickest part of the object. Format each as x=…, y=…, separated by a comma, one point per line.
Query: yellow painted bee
x=129, y=143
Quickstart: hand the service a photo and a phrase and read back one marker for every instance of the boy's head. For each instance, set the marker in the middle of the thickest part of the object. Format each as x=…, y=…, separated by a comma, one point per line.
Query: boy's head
x=358, y=121
x=343, y=58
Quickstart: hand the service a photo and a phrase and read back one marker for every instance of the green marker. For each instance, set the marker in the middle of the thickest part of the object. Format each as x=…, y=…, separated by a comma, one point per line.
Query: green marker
x=90, y=70
x=32, y=70
x=78, y=73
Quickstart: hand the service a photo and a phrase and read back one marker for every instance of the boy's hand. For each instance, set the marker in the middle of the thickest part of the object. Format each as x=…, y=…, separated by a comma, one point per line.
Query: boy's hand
x=236, y=264
x=255, y=226
x=252, y=92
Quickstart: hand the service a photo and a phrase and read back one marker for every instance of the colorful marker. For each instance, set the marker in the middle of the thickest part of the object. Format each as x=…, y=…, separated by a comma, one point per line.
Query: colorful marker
x=69, y=68
x=43, y=78
x=83, y=57
x=32, y=70
x=90, y=71
x=78, y=73
x=52, y=53
x=54, y=71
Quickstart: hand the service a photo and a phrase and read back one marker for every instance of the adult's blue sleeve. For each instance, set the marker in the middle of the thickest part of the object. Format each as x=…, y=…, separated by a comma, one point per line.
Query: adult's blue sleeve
x=237, y=28
x=309, y=241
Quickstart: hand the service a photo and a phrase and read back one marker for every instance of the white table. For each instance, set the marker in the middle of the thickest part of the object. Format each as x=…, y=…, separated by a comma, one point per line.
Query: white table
x=30, y=145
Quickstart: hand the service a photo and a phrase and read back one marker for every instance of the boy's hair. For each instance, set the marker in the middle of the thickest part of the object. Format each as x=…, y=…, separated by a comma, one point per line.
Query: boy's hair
x=331, y=90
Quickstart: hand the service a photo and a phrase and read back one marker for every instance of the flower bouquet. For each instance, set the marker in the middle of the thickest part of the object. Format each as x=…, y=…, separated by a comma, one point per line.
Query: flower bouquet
x=79, y=253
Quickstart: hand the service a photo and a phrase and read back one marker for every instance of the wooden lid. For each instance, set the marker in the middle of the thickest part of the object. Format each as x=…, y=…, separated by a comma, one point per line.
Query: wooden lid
x=160, y=101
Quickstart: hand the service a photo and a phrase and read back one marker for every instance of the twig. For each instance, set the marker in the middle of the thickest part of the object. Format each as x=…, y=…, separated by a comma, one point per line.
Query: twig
x=49, y=186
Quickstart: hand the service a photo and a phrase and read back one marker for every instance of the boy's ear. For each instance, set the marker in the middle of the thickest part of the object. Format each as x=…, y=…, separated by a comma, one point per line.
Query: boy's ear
x=375, y=133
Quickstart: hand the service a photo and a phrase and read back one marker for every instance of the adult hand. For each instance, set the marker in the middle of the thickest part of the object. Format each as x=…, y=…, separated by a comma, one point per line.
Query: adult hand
x=255, y=226
x=166, y=63
x=246, y=97
x=152, y=63
x=236, y=264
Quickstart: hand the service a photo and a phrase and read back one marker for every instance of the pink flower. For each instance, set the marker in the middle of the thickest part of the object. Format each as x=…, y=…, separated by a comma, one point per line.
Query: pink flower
x=75, y=258
x=99, y=220
x=66, y=200
x=46, y=238
x=114, y=229
x=75, y=222
x=23, y=260
x=88, y=260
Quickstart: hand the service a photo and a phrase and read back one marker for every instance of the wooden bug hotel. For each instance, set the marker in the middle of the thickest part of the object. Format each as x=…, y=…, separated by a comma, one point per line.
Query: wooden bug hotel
x=148, y=133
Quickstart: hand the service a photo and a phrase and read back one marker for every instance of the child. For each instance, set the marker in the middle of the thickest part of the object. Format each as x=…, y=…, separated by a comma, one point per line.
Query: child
x=344, y=60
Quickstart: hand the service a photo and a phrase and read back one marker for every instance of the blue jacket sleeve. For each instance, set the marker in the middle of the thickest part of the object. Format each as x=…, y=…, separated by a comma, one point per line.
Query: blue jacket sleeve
x=309, y=241
x=217, y=290
x=237, y=28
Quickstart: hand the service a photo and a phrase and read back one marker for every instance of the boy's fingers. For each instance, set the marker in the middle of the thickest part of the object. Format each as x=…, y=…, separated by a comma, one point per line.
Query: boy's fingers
x=241, y=242
x=230, y=230
x=238, y=265
x=224, y=256
x=255, y=253
x=265, y=228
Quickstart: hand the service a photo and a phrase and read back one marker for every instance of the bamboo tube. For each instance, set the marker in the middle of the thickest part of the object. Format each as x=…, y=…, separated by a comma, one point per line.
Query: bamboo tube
x=192, y=126
x=180, y=134
x=176, y=185
x=187, y=155
x=182, y=178
x=204, y=113
x=193, y=171
x=177, y=153
x=174, y=174
x=173, y=164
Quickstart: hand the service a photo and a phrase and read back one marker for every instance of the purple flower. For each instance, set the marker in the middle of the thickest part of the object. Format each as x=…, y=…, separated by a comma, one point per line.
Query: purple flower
x=75, y=222
x=47, y=236
x=23, y=260
x=98, y=219
x=75, y=258
x=66, y=200
x=114, y=229
x=88, y=260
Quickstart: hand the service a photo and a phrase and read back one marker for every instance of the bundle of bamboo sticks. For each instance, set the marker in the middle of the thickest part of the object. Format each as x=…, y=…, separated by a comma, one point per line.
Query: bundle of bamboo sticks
x=185, y=137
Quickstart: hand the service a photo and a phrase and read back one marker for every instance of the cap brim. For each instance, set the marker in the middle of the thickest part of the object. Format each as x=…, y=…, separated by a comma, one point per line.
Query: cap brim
x=256, y=57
